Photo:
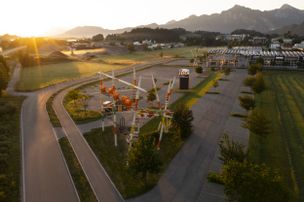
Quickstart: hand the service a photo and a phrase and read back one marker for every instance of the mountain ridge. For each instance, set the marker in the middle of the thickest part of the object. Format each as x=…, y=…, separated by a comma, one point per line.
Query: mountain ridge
x=237, y=17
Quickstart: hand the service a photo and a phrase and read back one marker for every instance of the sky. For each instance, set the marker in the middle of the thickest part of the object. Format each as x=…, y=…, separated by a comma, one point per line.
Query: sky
x=50, y=17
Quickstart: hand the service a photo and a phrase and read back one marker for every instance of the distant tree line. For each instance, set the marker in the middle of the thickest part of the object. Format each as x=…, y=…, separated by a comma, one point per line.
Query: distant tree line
x=4, y=74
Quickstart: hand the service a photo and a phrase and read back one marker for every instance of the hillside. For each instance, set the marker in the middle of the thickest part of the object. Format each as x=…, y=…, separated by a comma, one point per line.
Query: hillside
x=297, y=29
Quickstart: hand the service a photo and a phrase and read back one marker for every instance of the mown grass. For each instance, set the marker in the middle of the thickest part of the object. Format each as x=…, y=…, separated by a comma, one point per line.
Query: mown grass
x=82, y=185
x=51, y=112
x=10, y=152
x=33, y=78
x=77, y=110
x=115, y=159
x=141, y=56
x=283, y=148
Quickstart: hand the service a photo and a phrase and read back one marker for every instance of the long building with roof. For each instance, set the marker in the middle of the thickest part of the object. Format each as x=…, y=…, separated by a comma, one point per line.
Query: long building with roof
x=241, y=57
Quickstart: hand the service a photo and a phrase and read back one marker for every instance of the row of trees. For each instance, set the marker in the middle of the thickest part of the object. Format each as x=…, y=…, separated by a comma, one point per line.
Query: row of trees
x=246, y=181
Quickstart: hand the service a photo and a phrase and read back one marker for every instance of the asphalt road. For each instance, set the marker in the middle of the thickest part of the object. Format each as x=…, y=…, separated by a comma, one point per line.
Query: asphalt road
x=184, y=179
x=45, y=175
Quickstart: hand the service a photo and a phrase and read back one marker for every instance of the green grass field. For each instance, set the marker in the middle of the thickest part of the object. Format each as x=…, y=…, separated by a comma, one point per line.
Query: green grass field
x=37, y=77
x=283, y=149
x=10, y=149
x=33, y=78
x=114, y=159
x=140, y=56
x=82, y=185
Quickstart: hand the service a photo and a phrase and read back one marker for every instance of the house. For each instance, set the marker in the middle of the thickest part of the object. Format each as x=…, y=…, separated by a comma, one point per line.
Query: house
x=275, y=45
x=259, y=40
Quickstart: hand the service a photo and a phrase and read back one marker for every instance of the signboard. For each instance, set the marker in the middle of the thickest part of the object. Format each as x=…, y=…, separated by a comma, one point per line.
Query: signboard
x=184, y=73
x=184, y=79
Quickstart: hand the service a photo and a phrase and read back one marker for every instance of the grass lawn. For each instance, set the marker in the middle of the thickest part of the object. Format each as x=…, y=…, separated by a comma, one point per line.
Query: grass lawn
x=283, y=148
x=82, y=185
x=76, y=108
x=114, y=159
x=10, y=152
x=140, y=56
x=33, y=78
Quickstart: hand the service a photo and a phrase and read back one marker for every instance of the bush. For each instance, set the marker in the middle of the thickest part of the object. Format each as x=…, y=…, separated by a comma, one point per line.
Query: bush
x=259, y=84
x=247, y=102
x=248, y=182
x=254, y=68
x=249, y=81
x=182, y=121
x=257, y=123
x=143, y=157
x=227, y=71
x=198, y=70
x=215, y=178
x=231, y=150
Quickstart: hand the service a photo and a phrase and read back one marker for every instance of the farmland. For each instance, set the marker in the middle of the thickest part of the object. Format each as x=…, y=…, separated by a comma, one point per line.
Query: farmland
x=283, y=148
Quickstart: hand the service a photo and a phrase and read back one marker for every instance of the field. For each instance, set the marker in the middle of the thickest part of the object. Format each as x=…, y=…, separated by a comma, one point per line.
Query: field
x=37, y=77
x=81, y=183
x=115, y=164
x=141, y=56
x=283, y=148
x=10, y=152
x=42, y=76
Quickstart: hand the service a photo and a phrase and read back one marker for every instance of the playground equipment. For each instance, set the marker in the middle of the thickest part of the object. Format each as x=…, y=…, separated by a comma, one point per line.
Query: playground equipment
x=131, y=104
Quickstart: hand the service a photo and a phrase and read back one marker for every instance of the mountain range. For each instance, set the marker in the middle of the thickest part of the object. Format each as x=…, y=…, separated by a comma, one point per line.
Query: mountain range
x=237, y=17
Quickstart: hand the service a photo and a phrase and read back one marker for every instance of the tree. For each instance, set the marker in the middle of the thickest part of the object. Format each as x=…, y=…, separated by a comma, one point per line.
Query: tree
x=248, y=182
x=249, y=81
x=143, y=157
x=257, y=123
x=254, y=68
x=199, y=69
x=161, y=54
x=4, y=74
x=74, y=95
x=131, y=47
x=227, y=71
x=151, y=95
x=98, y=37
x=247, y=102
x=182, y=121
x=231, y=150
x=259, y=84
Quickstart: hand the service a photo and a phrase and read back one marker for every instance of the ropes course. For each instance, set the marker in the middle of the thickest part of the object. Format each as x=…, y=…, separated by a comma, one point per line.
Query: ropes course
x=124, y=103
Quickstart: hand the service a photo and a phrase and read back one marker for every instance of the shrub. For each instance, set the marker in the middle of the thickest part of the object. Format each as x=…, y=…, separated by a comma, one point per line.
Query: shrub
x=215, y=178
x=247, y=102
x=254, y=68
x=198, y=70
x=259, y=84
x=249, y=81
x=182, y=121
x=245, y=181
x=231, y=150
x=257, y=123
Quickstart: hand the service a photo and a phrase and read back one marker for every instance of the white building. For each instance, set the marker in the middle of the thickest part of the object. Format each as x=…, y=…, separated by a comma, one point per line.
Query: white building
x=299, y=46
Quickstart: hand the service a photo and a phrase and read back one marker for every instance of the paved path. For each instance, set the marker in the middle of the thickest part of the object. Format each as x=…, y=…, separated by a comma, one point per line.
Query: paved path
x=184, y=179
